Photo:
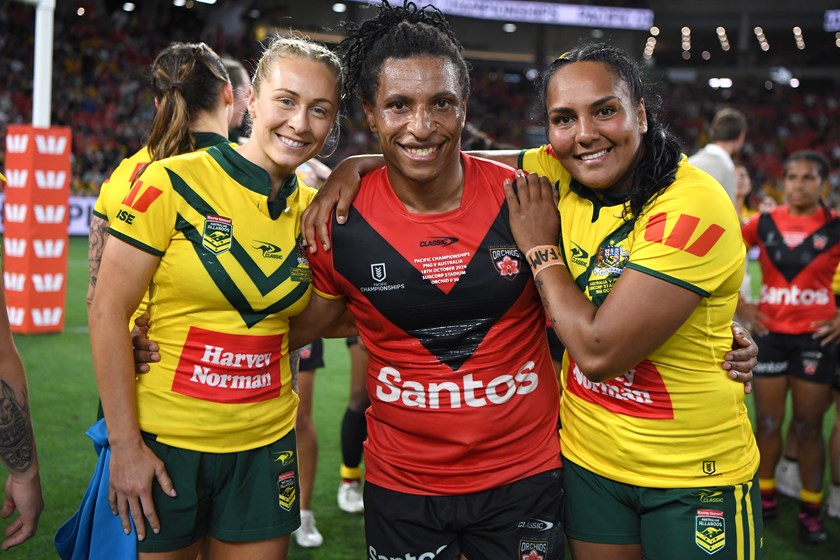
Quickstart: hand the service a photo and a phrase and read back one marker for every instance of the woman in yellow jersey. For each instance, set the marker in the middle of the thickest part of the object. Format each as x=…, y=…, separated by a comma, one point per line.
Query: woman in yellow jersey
x=193, y=98
x=203, y=447
x=659, y=456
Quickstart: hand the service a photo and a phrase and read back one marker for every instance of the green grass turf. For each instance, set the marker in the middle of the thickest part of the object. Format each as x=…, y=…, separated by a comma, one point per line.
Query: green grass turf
x=63, y=396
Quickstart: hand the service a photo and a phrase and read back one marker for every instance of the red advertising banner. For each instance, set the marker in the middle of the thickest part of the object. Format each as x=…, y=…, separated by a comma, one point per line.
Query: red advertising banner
x=36, y=214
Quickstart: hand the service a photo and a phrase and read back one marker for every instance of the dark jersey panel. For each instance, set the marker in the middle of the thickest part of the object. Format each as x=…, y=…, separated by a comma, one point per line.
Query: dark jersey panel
x=475, y=303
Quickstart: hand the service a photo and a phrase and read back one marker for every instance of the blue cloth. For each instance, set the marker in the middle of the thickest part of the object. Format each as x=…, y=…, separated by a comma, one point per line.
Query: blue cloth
x=94, y=532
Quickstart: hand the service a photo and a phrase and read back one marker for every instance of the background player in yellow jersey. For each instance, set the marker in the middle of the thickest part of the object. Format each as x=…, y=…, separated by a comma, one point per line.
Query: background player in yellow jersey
x=214, y=236
x=658, y=449
x=194, y=99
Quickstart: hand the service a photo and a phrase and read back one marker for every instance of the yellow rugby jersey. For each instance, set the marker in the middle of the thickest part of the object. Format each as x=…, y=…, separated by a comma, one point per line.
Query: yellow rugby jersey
x=115, y=187
x=676, y=420
x=231, y=275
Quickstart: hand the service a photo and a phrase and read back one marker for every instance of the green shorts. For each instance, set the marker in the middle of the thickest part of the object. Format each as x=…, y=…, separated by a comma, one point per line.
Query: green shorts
x=684, y=523
x=236, y=497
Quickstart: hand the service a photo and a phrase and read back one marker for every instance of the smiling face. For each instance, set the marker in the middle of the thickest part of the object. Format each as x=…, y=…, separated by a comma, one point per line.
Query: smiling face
x=293, y=111
x=803, y=186
x=418, y=113
x=595, y=128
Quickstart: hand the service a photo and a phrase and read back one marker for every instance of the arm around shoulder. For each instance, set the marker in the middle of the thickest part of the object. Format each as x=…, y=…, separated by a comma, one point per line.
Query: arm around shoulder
x=337, y=193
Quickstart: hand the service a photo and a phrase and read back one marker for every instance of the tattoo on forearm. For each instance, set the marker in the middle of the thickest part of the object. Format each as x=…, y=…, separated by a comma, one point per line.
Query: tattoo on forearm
x=543, y=299
x=96, y=245
x=294, y=364
x=17, y=447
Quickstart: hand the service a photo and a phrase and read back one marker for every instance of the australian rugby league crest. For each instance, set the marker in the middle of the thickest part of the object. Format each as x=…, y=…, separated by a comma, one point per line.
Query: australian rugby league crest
x=218, y=233
x=286, y=490
x=710, y=530
x=286, y=487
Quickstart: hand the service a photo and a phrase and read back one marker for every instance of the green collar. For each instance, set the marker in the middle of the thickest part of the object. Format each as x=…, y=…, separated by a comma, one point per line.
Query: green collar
x=253, y=177
x=207, y=139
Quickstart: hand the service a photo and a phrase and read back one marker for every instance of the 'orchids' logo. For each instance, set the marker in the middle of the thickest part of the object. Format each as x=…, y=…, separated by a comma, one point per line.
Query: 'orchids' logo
x=507, y=261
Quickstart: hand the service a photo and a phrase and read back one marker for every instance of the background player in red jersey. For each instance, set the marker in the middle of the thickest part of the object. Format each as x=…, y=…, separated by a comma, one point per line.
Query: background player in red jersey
x=797, y=326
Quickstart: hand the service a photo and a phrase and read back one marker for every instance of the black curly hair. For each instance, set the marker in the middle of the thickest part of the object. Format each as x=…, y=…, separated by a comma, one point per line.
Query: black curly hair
x=658, y=166
x=396, y=32
x=821, y=162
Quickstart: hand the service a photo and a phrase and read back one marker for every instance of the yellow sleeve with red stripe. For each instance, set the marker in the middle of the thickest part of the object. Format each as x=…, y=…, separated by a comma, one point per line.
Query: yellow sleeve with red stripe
x=115, y=187
x=689, y=235
x=146, y=216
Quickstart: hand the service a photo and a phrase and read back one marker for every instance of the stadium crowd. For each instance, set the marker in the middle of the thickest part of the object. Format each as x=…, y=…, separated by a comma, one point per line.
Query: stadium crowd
x=101, y=64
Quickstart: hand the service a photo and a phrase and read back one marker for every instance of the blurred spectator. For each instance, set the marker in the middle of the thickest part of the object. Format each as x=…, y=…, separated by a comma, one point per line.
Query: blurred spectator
x=727, y=134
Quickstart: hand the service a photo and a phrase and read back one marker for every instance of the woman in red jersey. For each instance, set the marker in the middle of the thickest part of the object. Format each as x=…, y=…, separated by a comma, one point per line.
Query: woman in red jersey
x=797, y=327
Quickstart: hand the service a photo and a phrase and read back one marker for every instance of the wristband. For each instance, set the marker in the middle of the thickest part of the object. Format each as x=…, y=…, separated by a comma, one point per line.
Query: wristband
x=542, y=257
x=543, y=267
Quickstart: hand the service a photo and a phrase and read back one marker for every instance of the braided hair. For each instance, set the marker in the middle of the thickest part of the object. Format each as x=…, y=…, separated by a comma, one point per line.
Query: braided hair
x=658, y=166
x=397, y=32
x=186, y=80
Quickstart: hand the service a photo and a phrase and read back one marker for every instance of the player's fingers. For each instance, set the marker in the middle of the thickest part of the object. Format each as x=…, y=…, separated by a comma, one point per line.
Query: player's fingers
x=342, y=210
x=164, y=481
x=112, y=501
x=510, y=196
x=17, y=533
x=136, y=512
x=523, y=189
x=14, y=527
x=546, y=189
x=142, y=322
x=323, y=236
x=122, y=511
x=8, y=508
x=740, y=376
x=151, y=514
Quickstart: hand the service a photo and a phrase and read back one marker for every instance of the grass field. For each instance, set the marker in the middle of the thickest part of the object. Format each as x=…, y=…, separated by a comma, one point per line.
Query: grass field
x=63, y=395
